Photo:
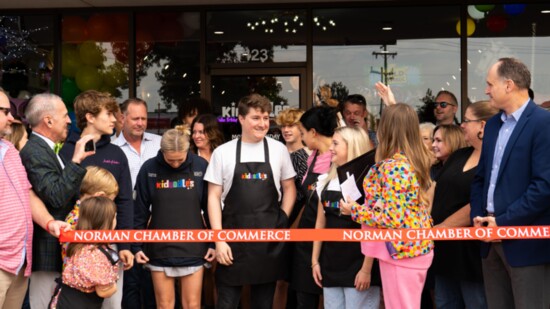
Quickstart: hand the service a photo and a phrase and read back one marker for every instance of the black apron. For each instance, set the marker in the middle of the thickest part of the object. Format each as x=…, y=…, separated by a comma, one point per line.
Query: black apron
x=340, y=261
x=177, y=207
x=252, y=203
x=301, y=275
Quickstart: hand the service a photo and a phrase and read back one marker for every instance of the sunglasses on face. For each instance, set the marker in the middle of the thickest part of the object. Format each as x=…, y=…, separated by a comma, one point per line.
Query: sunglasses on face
x=442, y=104
x=6, y=110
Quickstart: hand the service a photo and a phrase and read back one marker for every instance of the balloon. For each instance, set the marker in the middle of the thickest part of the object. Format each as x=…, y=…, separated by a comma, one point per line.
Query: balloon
x=100, y=27
x=120, y=24
x=474, y=13
x=148, y=20
x=514, y=9
x=70, y=60
x=91, y=53
x=69, y=91
x=108, y=89
x=73, y=29
x=470, y=27
x=485, y=7
x=115, y=75
x=88, y=78
x=497, y=23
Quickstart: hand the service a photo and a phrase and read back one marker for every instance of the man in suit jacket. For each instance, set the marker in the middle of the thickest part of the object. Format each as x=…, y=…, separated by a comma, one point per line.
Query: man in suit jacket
x=56, y=183
x=512, y=188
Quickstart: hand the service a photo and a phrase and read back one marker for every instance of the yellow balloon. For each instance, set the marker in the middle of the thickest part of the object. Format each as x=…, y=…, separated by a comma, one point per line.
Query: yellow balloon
x=470, y=27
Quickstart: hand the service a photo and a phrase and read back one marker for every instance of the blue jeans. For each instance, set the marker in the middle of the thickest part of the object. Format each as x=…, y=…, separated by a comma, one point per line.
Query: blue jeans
x=455, y=294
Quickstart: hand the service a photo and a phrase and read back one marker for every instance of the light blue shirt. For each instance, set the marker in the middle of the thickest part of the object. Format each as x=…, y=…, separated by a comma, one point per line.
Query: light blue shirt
x=150, y=146
x=506, y=130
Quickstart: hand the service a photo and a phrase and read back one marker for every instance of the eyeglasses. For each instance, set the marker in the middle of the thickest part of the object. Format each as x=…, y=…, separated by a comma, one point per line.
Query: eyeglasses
x=6, y=110
x=442, y=104
x=471, y=120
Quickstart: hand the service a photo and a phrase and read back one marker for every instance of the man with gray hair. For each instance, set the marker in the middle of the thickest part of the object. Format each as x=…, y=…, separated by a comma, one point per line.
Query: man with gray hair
x=55, y=181
x=20, y=207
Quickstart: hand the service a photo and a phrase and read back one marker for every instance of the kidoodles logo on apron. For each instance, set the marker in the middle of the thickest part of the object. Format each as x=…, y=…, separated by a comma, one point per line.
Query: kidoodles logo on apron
x=250, y=176
x=173, y=184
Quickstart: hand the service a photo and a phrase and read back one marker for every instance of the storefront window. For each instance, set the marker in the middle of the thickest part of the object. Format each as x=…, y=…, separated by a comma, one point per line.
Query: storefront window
x=94, y=55
x=416, y=48
x=167, y=63
x=26, y=57
x=521, y=31
x=256, y=36
x=282, y=91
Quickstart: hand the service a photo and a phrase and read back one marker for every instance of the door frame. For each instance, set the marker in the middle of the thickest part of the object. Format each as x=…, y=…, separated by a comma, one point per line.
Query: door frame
x=266, y=69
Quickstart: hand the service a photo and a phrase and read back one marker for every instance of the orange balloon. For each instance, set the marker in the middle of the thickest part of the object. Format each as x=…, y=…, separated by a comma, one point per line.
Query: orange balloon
x=100, y=27
x=120, y=31
x=73, y=29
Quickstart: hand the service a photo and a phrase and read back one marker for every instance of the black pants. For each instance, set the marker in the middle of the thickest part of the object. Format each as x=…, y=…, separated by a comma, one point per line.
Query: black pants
x=307, y=300
x=261, y=296
x=138, y=291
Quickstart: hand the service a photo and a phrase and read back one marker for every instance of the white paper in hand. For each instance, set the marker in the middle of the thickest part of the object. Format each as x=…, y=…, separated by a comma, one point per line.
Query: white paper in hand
x=350, y=189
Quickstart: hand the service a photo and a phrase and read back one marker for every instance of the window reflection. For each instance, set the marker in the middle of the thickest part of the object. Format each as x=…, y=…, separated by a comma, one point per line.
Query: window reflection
x=167, y=63
x=521, y=31
x=416, y=48
x=94, y=55
x=26, y=57
x=282, y=91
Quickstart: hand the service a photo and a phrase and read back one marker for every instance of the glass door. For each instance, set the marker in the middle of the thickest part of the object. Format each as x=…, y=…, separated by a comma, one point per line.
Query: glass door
x=283, y=87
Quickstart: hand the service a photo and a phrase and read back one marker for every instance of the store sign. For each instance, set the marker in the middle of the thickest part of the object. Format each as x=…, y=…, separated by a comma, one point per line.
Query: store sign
x=233, y=112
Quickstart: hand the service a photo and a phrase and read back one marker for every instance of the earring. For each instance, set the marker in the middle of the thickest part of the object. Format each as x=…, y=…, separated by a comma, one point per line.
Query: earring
x=480, y=135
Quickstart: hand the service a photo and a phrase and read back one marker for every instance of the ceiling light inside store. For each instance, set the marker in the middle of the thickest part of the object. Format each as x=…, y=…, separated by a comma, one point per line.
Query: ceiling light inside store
x=545, y=11
x=289, y=22
x=387, y=28
x=218, y=32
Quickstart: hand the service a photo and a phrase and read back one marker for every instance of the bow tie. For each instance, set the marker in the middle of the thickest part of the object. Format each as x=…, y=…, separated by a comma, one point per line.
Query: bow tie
x=57, y=147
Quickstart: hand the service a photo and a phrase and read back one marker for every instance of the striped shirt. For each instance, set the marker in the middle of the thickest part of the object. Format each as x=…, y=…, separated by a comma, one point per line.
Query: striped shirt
x=16, y=228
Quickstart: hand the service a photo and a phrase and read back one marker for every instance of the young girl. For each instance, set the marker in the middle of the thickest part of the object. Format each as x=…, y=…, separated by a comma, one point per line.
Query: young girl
x=340, y=268
x=97, y=182
x=397, y=195
x=91, y=270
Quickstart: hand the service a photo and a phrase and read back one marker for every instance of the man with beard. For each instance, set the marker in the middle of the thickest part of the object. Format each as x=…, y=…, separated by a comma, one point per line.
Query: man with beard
x=445, y=107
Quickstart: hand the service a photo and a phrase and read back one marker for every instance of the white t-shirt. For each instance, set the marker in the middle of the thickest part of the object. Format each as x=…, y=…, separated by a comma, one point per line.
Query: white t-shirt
x=333, y=185
x=222, y=163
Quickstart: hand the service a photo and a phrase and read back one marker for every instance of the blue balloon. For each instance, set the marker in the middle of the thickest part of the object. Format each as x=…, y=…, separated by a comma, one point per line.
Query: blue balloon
x=514, y=9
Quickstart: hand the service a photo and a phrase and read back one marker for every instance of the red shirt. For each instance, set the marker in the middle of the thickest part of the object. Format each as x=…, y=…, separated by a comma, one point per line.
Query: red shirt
x=16, y=226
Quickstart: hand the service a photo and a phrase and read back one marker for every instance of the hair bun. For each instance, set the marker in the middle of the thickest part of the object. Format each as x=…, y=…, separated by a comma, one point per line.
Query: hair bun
x=183, y=129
